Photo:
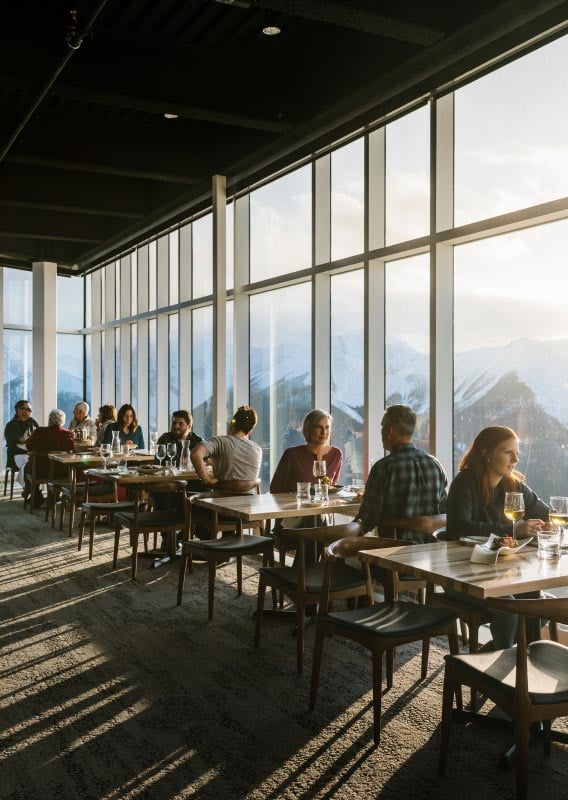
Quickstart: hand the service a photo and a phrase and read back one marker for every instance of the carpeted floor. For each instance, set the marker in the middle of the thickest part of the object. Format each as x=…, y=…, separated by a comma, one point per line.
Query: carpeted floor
x=109, y=691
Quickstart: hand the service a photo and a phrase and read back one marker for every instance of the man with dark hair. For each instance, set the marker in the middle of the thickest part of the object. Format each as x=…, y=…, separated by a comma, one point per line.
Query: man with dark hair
x=406, y=483
x=181, y=431
x=16, y=432
x=234, y=456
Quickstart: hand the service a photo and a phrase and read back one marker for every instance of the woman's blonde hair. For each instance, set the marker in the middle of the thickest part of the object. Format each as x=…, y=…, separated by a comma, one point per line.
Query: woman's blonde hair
x=312, y=419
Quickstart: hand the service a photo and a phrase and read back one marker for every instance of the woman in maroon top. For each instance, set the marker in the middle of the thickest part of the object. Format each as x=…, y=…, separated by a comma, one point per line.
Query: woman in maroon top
x=297, y=463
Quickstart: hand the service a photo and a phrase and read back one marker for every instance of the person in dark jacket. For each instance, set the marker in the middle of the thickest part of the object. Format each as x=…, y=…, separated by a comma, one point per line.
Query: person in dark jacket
x=17, y=431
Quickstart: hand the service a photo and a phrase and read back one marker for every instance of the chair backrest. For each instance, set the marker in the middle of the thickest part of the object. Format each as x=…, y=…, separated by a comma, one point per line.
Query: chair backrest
x=237, y=487
x=349, y=547
x=428, y=524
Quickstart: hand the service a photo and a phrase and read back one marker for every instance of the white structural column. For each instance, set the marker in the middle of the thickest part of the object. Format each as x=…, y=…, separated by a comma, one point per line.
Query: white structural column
x=321, y=294
x=44, y=338
x=185, y=270
x=241, y=329
x=142, y=327
x=442, y=283
x=219, y=190
x=375, y=298
x=109, y=354
x=124, y=390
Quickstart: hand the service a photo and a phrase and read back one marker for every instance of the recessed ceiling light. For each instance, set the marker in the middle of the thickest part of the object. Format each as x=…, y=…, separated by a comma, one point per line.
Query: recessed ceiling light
x=271, y=30
x=171, y=116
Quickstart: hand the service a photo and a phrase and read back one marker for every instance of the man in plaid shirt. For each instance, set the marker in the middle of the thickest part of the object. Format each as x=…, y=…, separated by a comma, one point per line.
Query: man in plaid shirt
x=406, y=483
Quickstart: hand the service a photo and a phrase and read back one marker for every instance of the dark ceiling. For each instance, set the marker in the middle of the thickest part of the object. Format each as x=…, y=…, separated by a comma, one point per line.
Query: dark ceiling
x=88, y=163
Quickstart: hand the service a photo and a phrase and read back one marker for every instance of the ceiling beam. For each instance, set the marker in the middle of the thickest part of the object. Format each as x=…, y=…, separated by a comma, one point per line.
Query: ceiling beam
x=102, y=169
x=359, y=19
x=66, y=209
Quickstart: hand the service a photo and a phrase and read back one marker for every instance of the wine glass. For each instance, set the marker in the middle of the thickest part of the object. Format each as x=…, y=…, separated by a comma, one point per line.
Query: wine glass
x=320, y=470
x=514, y=507
x=153, y=441
x=161, y=453
x=105, y=451
x=171, y=449
x=558, y=514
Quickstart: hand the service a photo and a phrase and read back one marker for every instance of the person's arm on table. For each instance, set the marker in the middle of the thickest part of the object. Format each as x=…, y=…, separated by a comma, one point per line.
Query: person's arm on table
x=198, y=456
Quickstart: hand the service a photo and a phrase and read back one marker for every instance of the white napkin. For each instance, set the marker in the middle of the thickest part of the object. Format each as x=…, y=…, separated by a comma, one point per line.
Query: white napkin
x=488, y=554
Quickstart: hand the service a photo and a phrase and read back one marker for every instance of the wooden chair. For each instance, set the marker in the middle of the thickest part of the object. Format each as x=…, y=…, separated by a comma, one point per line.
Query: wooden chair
x=34, y=480
x=147, y=522
x=10, y=473
x=232, y=543
x=428, y=525
x=94, y=510
x=528, y=682
x=302, y=582
x=378, y=627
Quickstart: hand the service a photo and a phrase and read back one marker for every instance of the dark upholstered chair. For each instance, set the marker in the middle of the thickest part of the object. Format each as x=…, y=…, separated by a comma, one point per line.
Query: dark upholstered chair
x=146, y=522
x=380, y=627
x=233, y=543
x=302, y=582
x=528, y=682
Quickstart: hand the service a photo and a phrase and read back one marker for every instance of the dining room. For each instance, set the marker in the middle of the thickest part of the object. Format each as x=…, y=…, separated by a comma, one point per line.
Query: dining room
x=289, y=206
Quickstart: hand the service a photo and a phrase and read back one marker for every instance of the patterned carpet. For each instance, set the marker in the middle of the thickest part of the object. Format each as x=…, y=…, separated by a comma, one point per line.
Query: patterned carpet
x=111, y=692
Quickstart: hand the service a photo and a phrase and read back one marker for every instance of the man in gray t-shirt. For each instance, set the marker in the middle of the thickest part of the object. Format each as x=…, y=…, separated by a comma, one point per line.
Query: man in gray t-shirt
x=234, y=456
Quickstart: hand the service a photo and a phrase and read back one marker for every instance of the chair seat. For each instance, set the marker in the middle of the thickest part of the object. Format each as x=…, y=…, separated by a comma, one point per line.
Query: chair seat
x=154, y=519
x=344, y=577
x=108, y=508
x=229, y=544
x=392, y=619
x=547, y=670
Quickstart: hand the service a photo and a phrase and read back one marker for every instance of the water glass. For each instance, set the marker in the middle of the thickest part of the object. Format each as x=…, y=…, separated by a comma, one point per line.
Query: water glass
x=549, y=545
x=321, y=493
x=122, y=465
x=303, y=492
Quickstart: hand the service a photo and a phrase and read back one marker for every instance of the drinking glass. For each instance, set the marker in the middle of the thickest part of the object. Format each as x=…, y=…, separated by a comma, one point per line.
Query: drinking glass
x=514, y=507
x=558, y=514
x=161, y=453
x=320, y=470
x=105, y=451
x=153, y=441
x=171, y=450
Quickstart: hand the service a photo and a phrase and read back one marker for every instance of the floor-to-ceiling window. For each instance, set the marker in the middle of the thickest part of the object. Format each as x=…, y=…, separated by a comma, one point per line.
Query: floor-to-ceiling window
x=438, y=295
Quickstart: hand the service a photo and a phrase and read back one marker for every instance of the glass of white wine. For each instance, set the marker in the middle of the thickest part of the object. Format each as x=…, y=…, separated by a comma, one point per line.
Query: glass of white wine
x=105, y=451
x=320, y=470
x=558, y=515
x=514, y=507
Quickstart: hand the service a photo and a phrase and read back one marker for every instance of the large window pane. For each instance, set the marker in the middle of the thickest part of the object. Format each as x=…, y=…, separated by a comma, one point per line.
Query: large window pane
x=117, y=365
x=229, y=357
x=280, y=226
x=511, y=337
x=134, y=364
x=202, y=358
x=134, y=282
x=88, y=369
x=152, y=377
x=510, y=136
x=407, y=194
x=202, y=244
x=347, y=371
x=347, y=199
x=407, y=339
x=230, y=246
x=17, y=296
x=174, y=265
x=280, y=369
x=173, y=320
x=152, y=274
x=70, y=302
x=69, y=372
x=17, y=370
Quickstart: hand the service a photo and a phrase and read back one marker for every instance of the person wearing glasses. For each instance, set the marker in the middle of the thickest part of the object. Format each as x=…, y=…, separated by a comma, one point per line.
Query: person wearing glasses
x=16, y=432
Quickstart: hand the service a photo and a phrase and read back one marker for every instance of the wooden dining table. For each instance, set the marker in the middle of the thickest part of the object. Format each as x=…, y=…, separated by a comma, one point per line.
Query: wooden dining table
x=259, y=507
x=87, y=460
x=448, y=564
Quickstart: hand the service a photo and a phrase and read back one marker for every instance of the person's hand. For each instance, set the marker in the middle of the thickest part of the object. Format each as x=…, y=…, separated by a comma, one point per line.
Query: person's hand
x=210, y=481
x=529, y=527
